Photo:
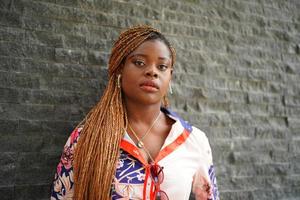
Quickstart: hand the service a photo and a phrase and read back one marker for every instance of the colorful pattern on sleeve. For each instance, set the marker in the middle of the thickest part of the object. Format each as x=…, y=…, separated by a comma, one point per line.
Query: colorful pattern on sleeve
x=213, y=181
x=62, y=186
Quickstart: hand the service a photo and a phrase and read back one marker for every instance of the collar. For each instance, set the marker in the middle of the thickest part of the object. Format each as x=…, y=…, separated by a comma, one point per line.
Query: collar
x=178, y=134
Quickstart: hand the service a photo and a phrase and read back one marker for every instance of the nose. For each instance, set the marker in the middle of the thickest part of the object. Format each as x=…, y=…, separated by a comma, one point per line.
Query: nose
x=151, y=71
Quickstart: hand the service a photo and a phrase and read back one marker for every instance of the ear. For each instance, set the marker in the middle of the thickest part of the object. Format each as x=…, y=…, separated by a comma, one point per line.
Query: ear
x=122, y=64
x=120, y=68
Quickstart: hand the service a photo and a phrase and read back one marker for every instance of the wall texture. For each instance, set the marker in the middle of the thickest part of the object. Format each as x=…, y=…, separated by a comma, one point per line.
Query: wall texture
x=237, y=78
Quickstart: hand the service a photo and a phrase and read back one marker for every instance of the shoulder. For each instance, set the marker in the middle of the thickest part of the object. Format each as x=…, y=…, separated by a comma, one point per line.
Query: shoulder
x=199, y=139
x=187, y=126
x=74, y=137
x=196, y=136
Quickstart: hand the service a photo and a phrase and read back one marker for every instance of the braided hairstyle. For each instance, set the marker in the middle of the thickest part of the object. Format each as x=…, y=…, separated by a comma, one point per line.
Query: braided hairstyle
x=97, y=151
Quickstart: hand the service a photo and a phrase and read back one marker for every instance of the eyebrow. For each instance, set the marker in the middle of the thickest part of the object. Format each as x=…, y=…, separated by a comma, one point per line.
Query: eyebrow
x=144, y=55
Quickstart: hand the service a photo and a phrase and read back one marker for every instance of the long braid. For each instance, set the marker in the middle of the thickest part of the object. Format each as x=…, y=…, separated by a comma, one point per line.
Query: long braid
x=97, y=150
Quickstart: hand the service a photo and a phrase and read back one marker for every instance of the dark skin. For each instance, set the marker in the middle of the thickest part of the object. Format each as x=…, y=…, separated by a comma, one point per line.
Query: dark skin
x=146, y=75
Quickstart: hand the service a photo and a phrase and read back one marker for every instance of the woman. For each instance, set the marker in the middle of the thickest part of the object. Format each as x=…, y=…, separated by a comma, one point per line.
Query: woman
x=130, y=146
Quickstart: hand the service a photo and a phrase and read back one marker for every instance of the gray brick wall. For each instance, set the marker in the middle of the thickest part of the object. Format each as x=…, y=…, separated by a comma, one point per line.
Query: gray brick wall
x=236, y=78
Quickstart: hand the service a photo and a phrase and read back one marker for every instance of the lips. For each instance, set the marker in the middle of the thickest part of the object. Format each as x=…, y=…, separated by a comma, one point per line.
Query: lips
x=149, y=86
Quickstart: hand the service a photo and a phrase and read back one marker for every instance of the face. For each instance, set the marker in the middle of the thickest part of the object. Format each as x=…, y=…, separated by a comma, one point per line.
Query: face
x=146, y=73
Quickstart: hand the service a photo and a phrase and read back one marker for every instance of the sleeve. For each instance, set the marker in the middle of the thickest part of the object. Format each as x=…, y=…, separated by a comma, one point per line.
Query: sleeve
x=62, y=186
x=204, y=181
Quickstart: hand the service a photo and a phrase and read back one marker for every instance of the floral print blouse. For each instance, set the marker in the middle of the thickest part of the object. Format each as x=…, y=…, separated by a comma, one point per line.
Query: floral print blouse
x=185, y=156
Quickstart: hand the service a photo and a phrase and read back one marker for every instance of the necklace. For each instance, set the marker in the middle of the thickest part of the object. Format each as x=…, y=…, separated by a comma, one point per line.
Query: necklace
x=140, y=143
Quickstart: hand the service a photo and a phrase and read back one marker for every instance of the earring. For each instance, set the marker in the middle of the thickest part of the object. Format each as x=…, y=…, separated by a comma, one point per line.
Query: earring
x=119, y=81
x=170, y=88
x=165, y=101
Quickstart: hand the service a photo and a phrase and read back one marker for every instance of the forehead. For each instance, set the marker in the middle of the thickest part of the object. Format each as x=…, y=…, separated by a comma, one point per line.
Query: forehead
x=153, y=47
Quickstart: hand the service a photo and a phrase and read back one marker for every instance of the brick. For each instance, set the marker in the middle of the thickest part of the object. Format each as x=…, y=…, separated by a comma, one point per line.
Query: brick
x=217, y=107
x=217, y=132
x=264, y=98
x=38, y=9
x=98, y=44
x=11, y=19
x=69, y=84
x=234, y=84
x=23, y=143
x=217, y=95
x=120, y=21
x=5, y=5
x=70, y=56
x=26, y=50
x=73, y=41
x=293, y=122
x=294, y=145
x=241, y=120
x=12, y=34
x=128, y=10
x=242, y=132
x=293, y=111
x=48, y=25
x=275, y=110
x=291, y=67
x=69, y=3
x=10, y=64
x=181, y=79
x=34, y=192
x=18, y=80
x=238, y=96
x=257, y=110
x=44, y=39
x=97, y=58
x=8, y=95
x=271, y=133
x=8, y=166
x=241, y=194
x=41, y=168
x=55, y=128
x=7, y=192
x=26, y=111
x=8, y=126
x=256, y=86
x=262, y=145
x=181, y=67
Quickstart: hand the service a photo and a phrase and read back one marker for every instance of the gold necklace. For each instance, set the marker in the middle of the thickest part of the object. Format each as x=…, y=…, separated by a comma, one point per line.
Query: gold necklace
x=140, y=143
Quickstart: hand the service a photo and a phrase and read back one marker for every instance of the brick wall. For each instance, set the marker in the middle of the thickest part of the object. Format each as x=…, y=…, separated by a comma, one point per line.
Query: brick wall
x=236, y=78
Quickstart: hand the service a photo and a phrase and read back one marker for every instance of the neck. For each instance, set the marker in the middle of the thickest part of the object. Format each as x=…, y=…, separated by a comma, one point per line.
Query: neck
x=144, y=114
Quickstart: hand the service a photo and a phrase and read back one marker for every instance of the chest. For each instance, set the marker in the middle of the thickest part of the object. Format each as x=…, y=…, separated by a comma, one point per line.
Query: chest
x=133, y=181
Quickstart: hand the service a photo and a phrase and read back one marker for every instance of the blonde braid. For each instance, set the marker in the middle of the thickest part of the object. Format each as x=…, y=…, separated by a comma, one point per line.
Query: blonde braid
x=97, y=151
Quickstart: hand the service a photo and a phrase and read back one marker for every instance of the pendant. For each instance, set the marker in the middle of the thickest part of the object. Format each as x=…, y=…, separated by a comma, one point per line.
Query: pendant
x=140, y=144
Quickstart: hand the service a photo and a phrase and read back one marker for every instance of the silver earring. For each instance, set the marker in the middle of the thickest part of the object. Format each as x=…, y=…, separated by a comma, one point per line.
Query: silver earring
x=119, y=81
x=170, y=88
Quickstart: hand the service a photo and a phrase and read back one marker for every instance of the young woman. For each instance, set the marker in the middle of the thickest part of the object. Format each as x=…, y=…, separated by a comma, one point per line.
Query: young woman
x=130, y=146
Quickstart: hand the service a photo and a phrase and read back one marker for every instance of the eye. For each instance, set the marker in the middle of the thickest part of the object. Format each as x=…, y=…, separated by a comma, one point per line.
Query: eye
x=162, y=67
x=139, y=63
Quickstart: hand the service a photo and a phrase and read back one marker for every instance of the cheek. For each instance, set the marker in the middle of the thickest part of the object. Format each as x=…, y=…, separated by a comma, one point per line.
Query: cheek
x=128, y=81
x=128, y=77
x=165, y=87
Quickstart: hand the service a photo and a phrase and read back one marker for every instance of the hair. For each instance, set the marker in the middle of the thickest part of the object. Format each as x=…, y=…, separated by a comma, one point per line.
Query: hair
x=97, y=151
